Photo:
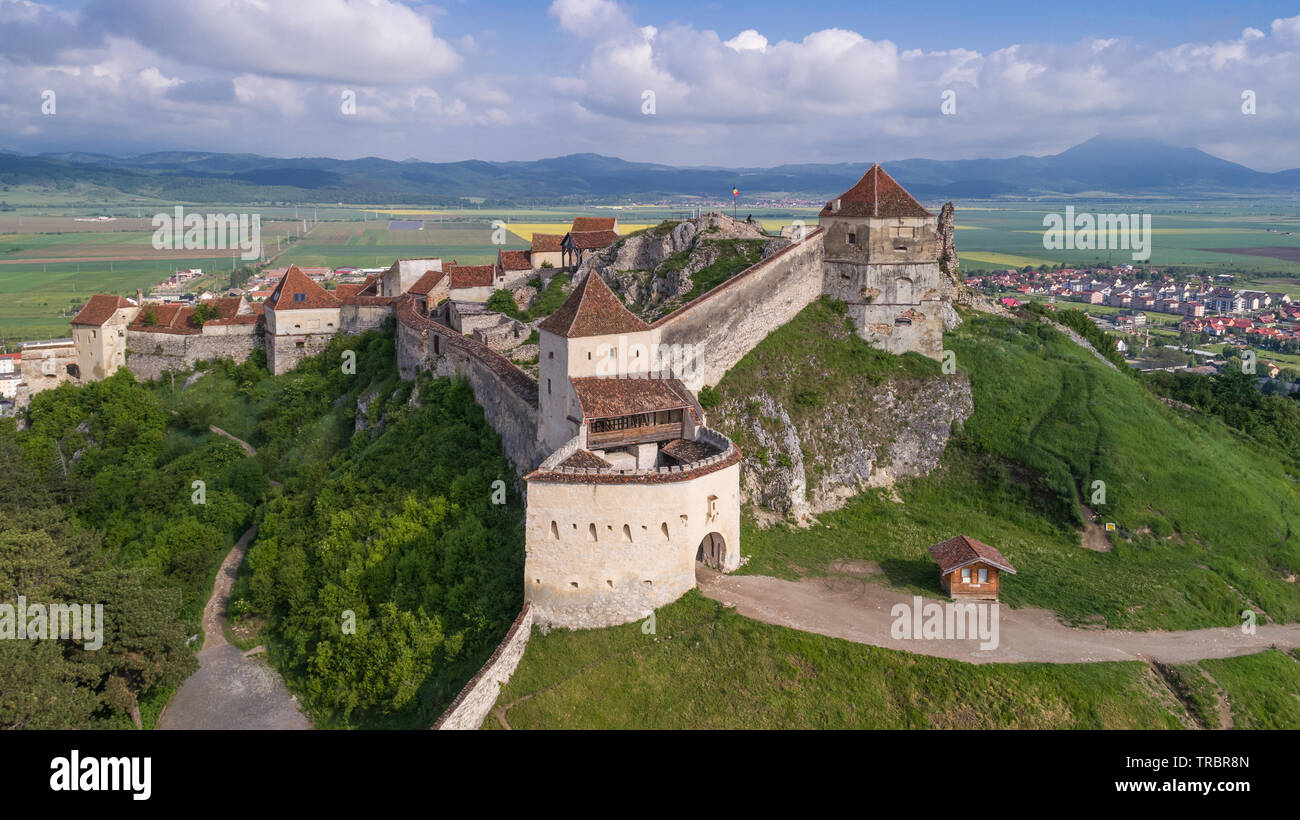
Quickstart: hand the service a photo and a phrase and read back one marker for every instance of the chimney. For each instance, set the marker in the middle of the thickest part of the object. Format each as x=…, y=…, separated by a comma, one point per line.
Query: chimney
x=835, y=206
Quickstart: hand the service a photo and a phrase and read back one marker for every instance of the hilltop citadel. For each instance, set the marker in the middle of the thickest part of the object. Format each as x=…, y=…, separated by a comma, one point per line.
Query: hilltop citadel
x=627, y=486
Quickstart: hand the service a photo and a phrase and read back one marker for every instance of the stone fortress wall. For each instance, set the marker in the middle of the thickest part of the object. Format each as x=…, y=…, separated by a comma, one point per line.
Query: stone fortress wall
x=151, y=354
x=507, y=395
x=727, y=322
x=476, y=699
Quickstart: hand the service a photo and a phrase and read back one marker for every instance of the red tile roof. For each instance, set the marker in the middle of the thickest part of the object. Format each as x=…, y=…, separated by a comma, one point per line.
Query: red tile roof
x=602, y=397
x=593, y=223
x=585, y=458
x=961, y=551
x=294, y=282
x=100, y=309
x=515, y=260
x=876, y=195
x=471, y=276
x=592, y=310
x=547, y=242
x=426, y=283
x=592, y=240
x=179, y=319
x=688, y=452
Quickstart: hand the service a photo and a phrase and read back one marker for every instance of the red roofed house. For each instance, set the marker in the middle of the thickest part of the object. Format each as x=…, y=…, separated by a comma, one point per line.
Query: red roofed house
x=969, y=569
x=547, y=251
x=431, y=290
x=585, y=224
x=301, y=318
x=881, y=256
x=515, y=266
x=472, y=283
x=99, y=334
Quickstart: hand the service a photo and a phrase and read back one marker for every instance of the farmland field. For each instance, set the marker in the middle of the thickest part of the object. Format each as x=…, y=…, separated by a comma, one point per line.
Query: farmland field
x=1217, y=237
x=374, y=244
x=37, y=300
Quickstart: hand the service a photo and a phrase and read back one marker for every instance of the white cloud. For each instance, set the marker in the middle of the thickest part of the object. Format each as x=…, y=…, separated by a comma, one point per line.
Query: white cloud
x=747, y=40
x=1287, y=28
x=254, y=75
x=376, y=41
x=589, y=18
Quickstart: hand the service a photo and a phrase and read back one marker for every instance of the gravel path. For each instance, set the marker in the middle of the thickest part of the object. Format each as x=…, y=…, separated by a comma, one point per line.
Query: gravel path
x=858, y=610
x=232, y=689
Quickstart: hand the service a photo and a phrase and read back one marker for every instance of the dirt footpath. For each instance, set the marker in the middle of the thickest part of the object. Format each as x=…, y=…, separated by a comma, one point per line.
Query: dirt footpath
x=232, y=689
x=858, y=610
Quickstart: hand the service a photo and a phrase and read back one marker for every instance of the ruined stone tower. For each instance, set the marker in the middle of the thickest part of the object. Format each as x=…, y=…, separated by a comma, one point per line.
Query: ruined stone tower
x=881, y=256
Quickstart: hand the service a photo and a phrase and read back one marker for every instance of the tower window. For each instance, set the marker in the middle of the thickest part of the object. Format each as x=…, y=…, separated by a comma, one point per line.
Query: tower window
x=853, y=238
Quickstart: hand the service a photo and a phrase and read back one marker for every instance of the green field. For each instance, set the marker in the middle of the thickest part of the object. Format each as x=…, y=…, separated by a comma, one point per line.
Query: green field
x=371, y=245
x=1011, y=235
x=708, y=668
x=36, y=301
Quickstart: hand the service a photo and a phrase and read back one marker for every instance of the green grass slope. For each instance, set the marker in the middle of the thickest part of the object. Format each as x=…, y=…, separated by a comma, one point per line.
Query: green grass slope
x=1203, y=514
x=709, y=668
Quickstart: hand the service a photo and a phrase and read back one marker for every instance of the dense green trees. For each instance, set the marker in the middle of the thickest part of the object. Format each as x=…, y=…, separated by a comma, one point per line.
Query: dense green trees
x=390, y=581
x=1232, y=396
x=98, y=504
x=48, y=558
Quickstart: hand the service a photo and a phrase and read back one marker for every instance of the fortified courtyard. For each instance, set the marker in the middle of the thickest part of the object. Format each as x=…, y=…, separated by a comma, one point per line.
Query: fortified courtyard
x=627, y=487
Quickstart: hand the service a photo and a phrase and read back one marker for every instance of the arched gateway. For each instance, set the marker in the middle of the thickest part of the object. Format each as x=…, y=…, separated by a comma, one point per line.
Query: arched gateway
x=712, y=551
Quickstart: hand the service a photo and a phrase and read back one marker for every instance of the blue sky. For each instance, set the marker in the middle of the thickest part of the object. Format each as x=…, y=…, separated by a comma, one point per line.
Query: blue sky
x=750, y=83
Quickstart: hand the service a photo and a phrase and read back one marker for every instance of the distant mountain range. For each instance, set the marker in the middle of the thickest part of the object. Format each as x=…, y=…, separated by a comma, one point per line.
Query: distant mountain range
x=1102, y=165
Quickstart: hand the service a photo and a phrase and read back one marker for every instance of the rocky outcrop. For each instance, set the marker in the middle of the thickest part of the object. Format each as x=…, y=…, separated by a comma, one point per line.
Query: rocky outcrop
x=799, y=470
x=955, y=290
x=653, y=270
x=949, y=264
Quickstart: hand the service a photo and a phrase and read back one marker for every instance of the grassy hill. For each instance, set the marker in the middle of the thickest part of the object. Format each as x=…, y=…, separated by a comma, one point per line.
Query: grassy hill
x=1203, y=513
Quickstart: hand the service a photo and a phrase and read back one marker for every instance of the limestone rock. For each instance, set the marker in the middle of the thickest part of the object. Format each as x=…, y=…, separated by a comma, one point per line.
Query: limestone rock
x=653, y=270
x=801, y=470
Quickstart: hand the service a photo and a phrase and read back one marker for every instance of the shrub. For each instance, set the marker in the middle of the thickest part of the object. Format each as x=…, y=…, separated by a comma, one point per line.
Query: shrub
x=502, y=301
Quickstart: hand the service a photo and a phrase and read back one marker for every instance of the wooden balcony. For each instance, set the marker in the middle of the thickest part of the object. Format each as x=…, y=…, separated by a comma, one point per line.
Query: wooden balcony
x=643, y=434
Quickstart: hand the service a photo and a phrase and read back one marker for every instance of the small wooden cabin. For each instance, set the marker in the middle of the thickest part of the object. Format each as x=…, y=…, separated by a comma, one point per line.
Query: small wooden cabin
x=969, y=569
